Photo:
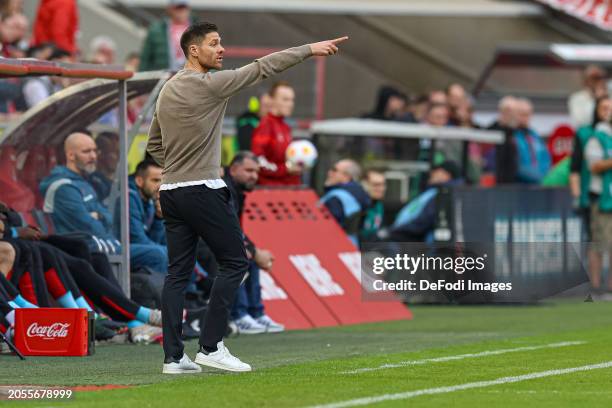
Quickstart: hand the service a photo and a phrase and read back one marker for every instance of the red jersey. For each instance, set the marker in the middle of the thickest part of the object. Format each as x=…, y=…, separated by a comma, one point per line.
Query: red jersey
x=57, y=21
x=270, y=141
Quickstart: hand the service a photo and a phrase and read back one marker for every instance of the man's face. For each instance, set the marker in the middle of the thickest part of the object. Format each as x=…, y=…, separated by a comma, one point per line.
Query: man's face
x=283, y=101
x=456, y=95
x=604, y=110
x=395, y=107
x=438, y=116
x=150, y=182
x=523, y=115
x=179, y=14
x=438, y=97
x=210, y=52
x=245, y=174
x=439, y=176
x=337, y=174
x=14, y=28
x=84, y=155
x=376, y=185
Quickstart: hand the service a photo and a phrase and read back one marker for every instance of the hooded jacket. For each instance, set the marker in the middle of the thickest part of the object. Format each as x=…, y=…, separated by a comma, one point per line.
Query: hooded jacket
x=145, y=227
x=74, y=208
x=347, y=202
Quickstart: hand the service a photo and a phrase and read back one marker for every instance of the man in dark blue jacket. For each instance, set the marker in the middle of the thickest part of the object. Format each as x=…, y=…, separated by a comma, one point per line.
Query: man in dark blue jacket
x=147, y=235
x=72, y=202
x=415, y=221
x=345, y=198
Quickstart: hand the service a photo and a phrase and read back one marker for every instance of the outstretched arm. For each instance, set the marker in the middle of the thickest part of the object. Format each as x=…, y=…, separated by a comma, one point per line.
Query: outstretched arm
x=224, y=84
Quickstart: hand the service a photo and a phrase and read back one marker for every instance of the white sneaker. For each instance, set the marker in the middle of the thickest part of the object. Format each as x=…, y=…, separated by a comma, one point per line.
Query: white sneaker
x=248, y=325
x=155, y=318
x=270, y=325
x=184, y=366
x=145, y=334
x=222, y=359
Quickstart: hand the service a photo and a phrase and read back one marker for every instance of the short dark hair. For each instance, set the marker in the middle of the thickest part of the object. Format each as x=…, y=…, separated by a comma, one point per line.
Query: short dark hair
x=195, y=33
x=59, y=53
x=276, y=85
x=371, y=170
x=243, y=155
x=143, y=167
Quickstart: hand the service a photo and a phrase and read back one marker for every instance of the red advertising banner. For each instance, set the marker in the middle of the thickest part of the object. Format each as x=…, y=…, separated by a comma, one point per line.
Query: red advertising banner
x=597, y=12
x=316, y=265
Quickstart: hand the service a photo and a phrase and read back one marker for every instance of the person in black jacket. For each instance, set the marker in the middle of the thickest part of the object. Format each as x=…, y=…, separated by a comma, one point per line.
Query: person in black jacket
x=248, y=311
x=505, y=156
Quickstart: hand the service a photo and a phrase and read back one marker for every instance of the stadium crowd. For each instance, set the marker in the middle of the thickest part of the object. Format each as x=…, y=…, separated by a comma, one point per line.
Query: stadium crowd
x=71, y=267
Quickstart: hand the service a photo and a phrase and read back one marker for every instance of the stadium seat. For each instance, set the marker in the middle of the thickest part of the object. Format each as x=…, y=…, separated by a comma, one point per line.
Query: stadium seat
x=35, y=168
x=13, y=192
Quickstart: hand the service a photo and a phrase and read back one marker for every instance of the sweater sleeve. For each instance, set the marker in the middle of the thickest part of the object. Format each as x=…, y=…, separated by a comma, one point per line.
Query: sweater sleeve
x=226, y=83
x=154, y=145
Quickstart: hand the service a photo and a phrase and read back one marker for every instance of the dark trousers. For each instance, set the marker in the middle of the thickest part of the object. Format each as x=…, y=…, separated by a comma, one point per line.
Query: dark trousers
x=189, y=213
x=248, y=298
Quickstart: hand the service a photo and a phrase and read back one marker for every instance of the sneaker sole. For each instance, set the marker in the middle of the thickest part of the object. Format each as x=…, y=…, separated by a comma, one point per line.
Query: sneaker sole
x=277, y=330
x=219, y=366
x=179, y=371
x=254, y=331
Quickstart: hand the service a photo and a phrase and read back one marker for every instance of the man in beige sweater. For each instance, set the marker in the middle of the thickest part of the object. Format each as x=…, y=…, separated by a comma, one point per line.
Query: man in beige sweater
x=185, y=139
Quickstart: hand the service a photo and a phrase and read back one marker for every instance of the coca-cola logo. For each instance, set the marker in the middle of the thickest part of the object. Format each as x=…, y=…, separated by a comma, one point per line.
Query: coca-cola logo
x=52, y=331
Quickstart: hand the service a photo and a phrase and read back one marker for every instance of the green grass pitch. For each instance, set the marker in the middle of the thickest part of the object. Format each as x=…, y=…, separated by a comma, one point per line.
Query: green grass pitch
x=442, y=349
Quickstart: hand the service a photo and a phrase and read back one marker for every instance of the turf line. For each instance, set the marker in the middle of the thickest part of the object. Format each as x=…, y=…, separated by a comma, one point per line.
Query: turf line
x=463, y=356
x=460, y=387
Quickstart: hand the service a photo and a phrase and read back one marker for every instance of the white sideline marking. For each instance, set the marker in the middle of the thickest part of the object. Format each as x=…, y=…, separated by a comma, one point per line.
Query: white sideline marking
x=460, y=387
x=462, y=356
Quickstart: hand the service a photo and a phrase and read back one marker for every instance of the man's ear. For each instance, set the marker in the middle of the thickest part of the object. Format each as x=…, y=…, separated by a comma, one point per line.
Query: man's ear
x=139, y=181
x=193, y=50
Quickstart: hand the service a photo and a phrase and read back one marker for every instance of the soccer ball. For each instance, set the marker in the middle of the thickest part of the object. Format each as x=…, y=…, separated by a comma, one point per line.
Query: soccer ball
x=301, y=152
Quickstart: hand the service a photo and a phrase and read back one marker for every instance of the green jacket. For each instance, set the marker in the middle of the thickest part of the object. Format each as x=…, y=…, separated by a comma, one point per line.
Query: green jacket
x=605, y=200
x=155, y=53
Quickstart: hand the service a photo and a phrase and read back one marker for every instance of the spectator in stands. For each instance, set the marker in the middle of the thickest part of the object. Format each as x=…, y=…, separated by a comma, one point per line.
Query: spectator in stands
x=37, y=89
x=390, y=105
x=533, y=156
x=580, y=190
x=375, y=185
x=272, y=137
x=249, y=120
x=57, y=22
x=72, y=202
x=502, y=158
x=161, y=48
x=11, y=7
x=102, y=179
x=438, y=97
x=418, y=109
x=438, y=115
x=582, y=103
x=456, y=97
x=147, y=236
x=415, y=221
x=599, y=180
x=132, y=61
x=103, y=50
x=345, y=198
x=13, y=33
x=248, y=311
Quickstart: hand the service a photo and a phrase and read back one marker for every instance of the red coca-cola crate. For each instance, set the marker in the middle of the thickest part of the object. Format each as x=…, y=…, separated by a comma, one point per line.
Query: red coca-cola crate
x=54, y=332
